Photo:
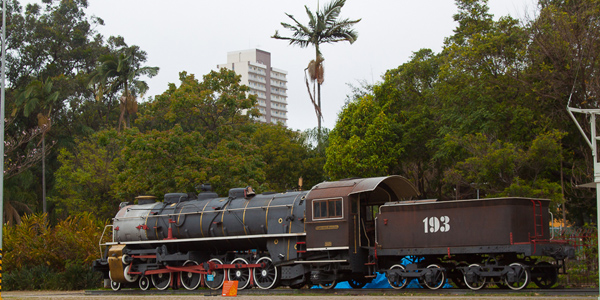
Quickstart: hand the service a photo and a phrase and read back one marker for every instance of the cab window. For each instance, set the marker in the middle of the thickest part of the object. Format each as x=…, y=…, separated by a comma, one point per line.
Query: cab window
x=327, y=208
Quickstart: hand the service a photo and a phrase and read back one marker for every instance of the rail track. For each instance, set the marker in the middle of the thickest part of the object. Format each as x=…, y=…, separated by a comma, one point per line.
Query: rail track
x=358, y=292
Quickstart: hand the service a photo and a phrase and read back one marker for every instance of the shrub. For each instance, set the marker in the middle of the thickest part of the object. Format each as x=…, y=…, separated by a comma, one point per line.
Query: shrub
x=39, y=256
x=75, y=277
x=28, y=278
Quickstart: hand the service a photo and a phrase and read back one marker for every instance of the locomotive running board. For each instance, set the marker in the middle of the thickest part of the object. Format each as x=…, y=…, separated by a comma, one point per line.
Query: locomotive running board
x=320, y=261
x=328, y=248
x=217, y=238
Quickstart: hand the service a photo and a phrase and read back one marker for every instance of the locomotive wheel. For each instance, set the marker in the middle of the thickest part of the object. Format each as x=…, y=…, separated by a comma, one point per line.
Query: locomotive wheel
x=328, y=285
x=544, y=275
x=161, y=281
x=400, y=282
x=438, y=280
x=126, y=259
x=144, y=283
x=115, y=286
x=266, y=277
x=129, y=277
x=476, y=282
x=357, y=284
x=242, y=275
x=218, y=276
x=521, y=277
x=190, y=280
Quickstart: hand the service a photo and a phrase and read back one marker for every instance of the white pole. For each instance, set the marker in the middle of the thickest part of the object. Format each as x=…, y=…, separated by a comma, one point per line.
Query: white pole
x=593, y=143
x=594, y=140
x=2, y=100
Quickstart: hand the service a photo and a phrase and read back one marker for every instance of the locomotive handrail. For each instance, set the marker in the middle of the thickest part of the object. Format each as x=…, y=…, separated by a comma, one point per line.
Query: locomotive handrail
x=326, y=221
x=362, y=221
x=201, y=212
x=213, y=238
x=102, y=237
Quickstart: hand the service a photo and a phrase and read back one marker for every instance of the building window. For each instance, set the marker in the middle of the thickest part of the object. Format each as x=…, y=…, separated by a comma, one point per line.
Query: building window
x=327, y=209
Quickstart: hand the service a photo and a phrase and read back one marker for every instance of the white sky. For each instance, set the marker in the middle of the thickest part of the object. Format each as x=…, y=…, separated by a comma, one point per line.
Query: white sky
x=195, y=36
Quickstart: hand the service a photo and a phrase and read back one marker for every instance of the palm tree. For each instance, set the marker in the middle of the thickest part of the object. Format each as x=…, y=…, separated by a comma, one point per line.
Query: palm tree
x=324, y=26
x=40, y=94
x=120, y=71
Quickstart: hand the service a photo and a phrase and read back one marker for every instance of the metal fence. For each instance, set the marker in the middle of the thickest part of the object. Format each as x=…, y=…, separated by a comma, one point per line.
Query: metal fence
x=583, y=270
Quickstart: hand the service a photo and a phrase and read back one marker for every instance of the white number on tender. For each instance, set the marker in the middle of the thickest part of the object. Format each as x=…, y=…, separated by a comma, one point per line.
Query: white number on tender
x=435, y=224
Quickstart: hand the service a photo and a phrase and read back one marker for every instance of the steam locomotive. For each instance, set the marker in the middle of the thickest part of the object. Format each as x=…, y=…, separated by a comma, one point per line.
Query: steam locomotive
x=347, y=230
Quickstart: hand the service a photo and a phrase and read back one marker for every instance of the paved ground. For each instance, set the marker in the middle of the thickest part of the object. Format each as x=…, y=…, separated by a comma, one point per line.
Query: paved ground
x=54, y=295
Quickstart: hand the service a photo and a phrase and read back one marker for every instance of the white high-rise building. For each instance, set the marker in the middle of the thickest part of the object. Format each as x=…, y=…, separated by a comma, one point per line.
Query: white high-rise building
x=267, y=83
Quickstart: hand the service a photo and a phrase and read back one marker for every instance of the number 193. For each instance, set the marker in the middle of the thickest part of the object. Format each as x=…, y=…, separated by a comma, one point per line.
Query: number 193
x=435, y=224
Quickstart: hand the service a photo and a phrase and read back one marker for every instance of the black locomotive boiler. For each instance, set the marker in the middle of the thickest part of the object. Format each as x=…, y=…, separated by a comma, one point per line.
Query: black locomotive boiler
x=347, y=230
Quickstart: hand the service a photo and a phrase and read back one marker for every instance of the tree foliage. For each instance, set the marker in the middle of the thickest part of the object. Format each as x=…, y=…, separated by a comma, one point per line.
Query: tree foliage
x=197, y=132
x=85, y=178
x=486, y=115
x=120, y=70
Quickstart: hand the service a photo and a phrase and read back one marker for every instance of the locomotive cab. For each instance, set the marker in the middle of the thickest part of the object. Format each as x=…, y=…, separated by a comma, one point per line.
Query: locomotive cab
x=341, y=224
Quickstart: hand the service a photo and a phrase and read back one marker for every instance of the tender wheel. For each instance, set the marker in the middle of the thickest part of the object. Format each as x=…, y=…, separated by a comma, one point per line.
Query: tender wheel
x=215, y=279
x=544, y=275
x=129, y=277
x=519, y=279
x=115, y=286
x=242, y=275
x=144, y=283
x=328, y=285
x=190, y=280
x=438, y=279
x=357, y=284
x=472, y=280
x=266, y=277
x=161, y=281
x=397, y=282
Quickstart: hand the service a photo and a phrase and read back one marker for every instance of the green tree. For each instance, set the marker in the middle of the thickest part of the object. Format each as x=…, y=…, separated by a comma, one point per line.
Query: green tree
x=40, y=94
x=504, y=169
x=50, y=42
x=219, y=102
x=479, y=77
x=565, y=42
x=459, y=121
x=85, y=178
x=391, y=128
x=362, y=143
x=409, y=94
x=121, y=70
x=324, y=26
x=283, y=152
x=193, y=134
